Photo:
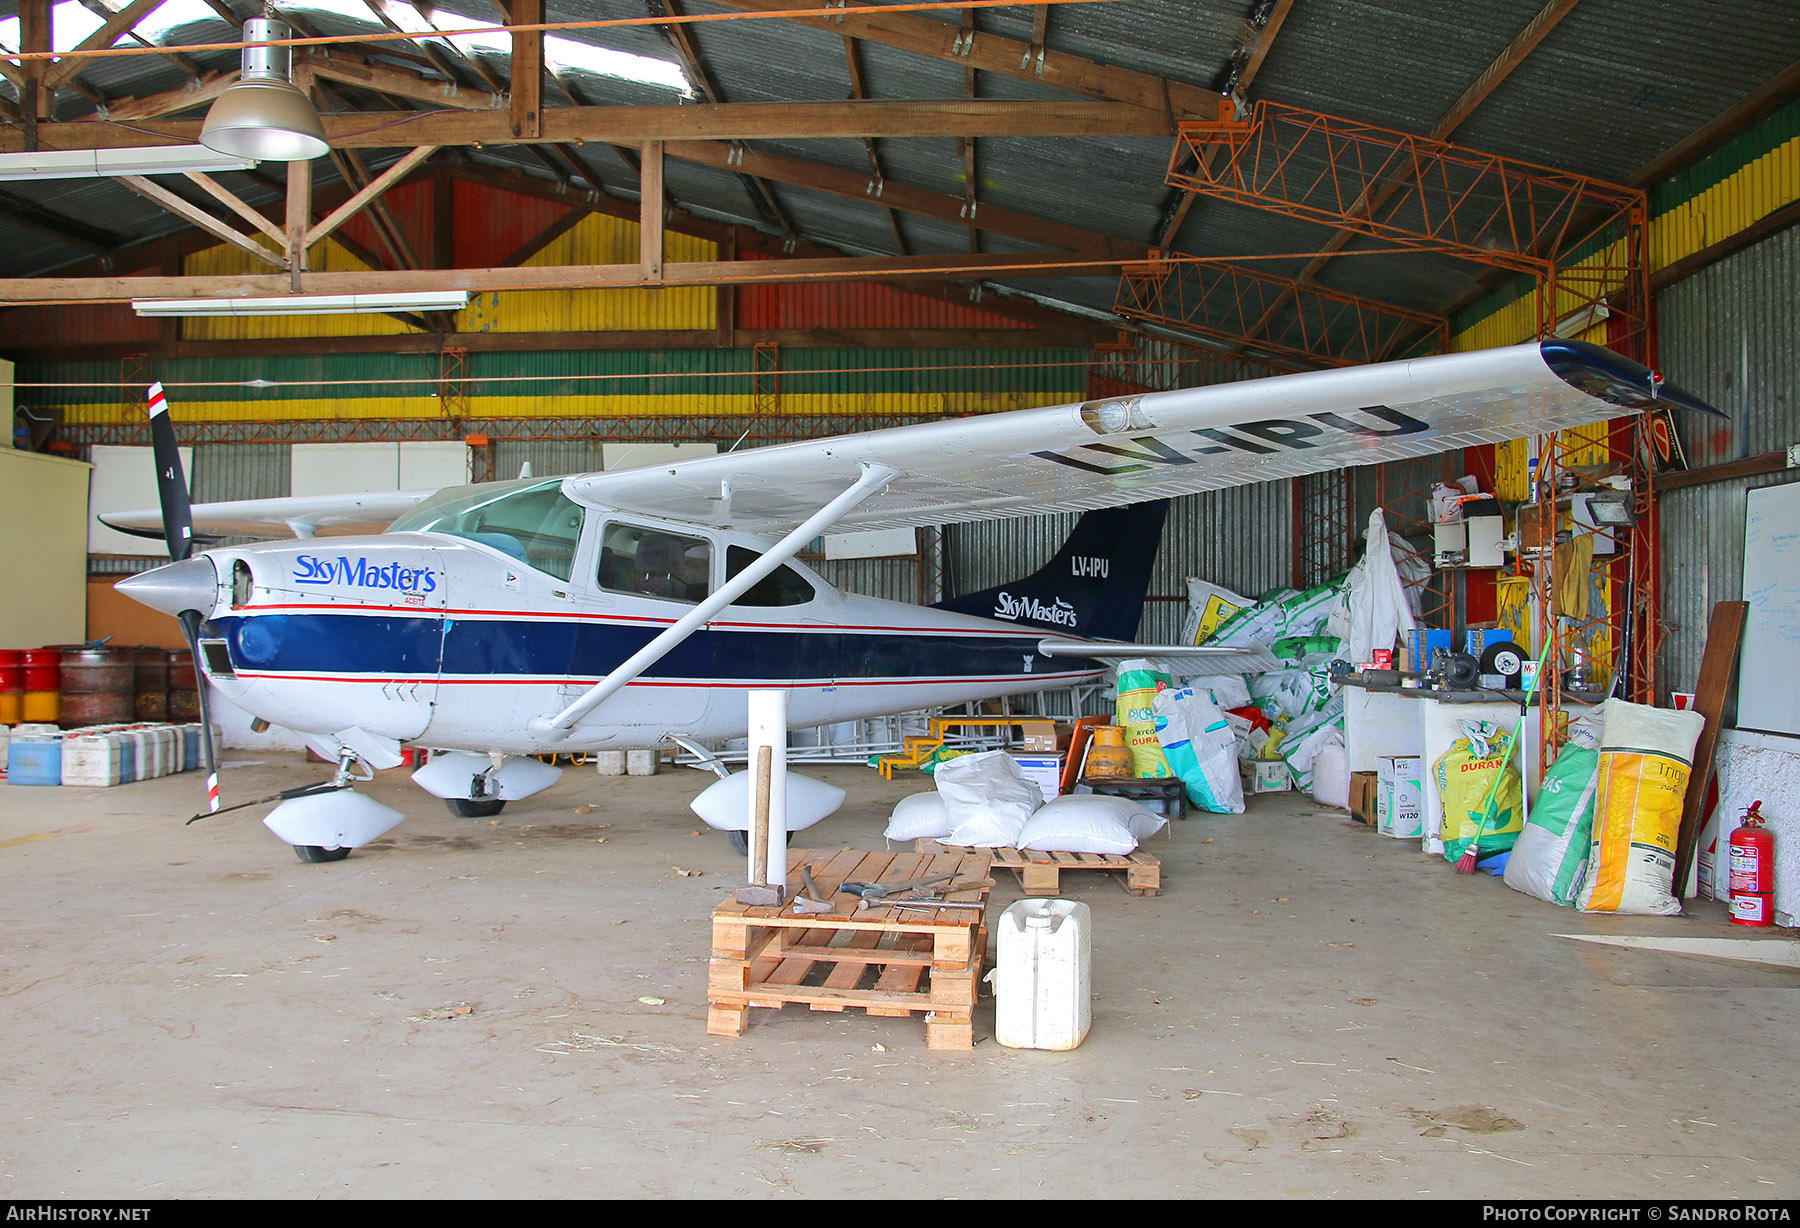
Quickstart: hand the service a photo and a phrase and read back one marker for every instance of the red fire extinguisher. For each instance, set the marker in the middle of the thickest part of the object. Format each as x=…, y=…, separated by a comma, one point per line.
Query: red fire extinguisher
x=1752, y=856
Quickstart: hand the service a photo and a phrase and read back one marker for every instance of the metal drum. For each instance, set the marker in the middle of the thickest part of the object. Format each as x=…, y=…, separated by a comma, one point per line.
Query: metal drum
x=184, y=695
x=12, y=685
x=97, y=687
x=150, y=681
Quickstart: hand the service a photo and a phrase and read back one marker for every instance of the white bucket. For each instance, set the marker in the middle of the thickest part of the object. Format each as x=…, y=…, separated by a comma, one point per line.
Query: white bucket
x=1042, y=967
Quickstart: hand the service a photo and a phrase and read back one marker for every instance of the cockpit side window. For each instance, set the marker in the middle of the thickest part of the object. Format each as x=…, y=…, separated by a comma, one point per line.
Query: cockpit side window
x=783, y=586
x=654, y=563
x=536, y=524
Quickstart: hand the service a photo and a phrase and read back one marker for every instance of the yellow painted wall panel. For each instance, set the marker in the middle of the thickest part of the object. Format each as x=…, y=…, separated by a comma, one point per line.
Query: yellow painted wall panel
x=602, y=240
x=328, y=257
x=48, y=561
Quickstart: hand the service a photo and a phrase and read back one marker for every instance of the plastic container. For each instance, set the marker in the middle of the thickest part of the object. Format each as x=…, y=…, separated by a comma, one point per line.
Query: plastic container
x=92, y=760
x=34, y=759
x=1042, y=973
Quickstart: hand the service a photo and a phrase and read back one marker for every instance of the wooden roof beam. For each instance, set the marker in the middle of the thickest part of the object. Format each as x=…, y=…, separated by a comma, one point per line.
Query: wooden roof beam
x=20, y=290
x=635, y=125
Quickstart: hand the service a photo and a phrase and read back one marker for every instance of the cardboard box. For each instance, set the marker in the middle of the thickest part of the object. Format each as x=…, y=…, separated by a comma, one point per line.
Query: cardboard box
x=1045, y=771
x=1400, y=796
x=1045, y=737
x=1362, y=796
x=1265, y=775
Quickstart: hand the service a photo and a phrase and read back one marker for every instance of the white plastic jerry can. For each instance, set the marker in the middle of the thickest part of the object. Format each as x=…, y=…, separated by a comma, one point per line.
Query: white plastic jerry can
x=1042, y=970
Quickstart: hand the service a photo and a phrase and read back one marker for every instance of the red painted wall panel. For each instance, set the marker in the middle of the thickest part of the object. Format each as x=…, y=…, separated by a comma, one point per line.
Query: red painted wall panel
x=853, y=305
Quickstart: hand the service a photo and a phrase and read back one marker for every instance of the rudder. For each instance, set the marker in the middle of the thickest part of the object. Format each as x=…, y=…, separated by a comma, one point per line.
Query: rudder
x=1094, y=586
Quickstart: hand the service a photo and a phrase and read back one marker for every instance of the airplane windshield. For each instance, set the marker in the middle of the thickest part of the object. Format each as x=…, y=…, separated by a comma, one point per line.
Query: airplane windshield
x=532, y=521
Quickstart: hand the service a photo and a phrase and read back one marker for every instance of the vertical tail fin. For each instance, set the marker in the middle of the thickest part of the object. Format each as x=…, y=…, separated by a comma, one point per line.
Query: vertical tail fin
x=1094, y=587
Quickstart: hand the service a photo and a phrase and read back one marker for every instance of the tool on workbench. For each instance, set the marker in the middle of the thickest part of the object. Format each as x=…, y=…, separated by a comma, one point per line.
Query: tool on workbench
x=813, y=902
x=868, y=892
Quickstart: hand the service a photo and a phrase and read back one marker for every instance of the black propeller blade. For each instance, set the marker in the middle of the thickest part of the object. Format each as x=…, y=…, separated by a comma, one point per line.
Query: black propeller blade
x=171, y=484
x=178, y=532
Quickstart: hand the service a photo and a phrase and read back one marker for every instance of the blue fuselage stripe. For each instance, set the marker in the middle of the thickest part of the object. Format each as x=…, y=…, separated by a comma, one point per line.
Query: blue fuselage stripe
x=402, y=646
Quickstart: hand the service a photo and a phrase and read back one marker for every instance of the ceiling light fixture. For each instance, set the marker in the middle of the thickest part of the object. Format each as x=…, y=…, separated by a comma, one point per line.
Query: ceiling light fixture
x=265, y=115
x=95, y=163
x=304, y=304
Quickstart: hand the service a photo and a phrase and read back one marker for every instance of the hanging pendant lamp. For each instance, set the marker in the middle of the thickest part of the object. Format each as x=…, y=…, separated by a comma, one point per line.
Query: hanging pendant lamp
x=265, y=115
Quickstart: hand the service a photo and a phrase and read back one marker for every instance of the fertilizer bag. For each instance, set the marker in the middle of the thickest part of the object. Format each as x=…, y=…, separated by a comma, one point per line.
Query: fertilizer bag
x=1646, y=755
x=1138, y=685
x=1201, y=748
x=1551, y=856
x=1463, y=776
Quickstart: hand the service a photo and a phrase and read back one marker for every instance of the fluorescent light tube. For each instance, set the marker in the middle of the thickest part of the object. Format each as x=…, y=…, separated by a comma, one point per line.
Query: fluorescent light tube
x=95, y=163
x=304, y=304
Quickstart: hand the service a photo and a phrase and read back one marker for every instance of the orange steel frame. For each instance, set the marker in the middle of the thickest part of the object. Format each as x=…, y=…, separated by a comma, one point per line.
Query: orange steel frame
x=1213, y=297
x=1582, y=241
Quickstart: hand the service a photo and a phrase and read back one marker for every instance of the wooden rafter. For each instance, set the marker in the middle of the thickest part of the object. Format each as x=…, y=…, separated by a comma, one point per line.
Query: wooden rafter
x=14, y=291
x=195, y=216
x=633, y=125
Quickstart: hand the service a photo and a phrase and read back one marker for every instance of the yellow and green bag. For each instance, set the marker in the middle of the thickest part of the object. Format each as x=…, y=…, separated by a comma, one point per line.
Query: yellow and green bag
x=1464, y=775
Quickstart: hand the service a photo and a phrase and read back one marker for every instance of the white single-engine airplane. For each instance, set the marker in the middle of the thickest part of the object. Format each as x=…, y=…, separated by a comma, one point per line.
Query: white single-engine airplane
x=616, y=609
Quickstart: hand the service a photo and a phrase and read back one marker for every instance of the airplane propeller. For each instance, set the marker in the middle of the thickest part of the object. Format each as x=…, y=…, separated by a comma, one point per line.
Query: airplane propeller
x=178, y=532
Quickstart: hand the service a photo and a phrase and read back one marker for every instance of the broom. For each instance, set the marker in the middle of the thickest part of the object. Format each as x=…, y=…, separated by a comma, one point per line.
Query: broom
x=1466, y=863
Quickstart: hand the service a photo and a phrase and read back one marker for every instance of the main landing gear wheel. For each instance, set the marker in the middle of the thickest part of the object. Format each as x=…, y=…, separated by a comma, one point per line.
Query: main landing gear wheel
x=476, y=808
x=740, y=842
x=312, y=852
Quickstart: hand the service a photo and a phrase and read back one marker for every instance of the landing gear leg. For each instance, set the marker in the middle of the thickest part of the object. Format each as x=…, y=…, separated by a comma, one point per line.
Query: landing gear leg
x=341, y=779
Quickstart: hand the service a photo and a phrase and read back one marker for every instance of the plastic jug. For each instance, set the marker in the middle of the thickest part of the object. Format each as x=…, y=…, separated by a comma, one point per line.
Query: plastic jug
x=1042, y=967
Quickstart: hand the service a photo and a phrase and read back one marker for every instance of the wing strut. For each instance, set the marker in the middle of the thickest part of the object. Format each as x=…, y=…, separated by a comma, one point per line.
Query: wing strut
x=874, y=479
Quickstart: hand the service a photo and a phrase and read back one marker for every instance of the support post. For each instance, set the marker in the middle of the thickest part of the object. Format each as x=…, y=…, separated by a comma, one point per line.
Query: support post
x=768, y=798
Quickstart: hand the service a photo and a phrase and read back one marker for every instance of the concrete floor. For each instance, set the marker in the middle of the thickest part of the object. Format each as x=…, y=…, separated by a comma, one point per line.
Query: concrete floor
x=1307, y=1010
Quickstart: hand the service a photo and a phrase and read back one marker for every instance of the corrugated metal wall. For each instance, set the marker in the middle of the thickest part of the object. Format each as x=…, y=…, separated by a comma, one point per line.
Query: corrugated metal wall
x=1731, y=334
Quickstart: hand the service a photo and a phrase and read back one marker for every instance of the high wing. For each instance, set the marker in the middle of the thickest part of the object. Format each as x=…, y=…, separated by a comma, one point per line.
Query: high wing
x=1152, y=446
x=300, y=516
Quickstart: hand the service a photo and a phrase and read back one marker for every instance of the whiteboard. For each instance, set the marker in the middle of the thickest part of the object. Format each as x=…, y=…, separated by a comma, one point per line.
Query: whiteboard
x=125, y=481
x=1768, y=697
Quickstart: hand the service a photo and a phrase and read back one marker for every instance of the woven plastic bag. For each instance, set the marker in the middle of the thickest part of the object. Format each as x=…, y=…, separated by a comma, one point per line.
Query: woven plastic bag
x=1138, y=687
x=1646, y=755
x=1464, y=775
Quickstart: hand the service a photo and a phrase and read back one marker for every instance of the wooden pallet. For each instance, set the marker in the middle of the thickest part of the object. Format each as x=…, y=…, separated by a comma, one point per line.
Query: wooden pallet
x=1041, y=873
x=890, y=961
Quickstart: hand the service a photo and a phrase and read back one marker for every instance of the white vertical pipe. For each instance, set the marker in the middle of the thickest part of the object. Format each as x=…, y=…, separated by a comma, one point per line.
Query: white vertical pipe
x=768, y=727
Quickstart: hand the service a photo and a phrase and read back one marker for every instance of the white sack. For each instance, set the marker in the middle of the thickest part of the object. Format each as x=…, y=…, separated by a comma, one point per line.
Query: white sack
x=1087, y=823
x=919, y=817
x=986, y=798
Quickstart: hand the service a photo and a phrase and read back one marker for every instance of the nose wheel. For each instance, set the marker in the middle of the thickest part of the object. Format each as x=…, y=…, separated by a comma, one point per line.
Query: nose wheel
x=313, y=853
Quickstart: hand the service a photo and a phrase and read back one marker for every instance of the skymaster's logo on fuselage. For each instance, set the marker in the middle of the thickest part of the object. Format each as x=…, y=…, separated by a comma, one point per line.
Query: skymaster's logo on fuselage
x=360, y=573
x=1265, y=438
x=1012, y=608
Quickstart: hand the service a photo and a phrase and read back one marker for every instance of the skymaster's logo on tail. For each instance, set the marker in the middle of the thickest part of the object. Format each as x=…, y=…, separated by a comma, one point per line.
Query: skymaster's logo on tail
x=1012, y=608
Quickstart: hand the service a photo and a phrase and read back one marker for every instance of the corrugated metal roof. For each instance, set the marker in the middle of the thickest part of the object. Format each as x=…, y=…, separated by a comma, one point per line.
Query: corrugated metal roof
x=1611, y=87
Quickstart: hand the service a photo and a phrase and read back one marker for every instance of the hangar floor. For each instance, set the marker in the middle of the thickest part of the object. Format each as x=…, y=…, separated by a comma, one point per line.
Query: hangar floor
x=1308, y=1010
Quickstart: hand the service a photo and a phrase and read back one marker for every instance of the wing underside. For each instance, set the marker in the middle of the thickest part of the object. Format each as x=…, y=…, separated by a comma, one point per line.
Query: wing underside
x=1152, y=446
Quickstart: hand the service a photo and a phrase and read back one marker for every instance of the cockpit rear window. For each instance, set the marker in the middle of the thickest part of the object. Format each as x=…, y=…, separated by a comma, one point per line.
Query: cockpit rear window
x=783, y=586
x=532, y=521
